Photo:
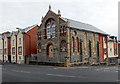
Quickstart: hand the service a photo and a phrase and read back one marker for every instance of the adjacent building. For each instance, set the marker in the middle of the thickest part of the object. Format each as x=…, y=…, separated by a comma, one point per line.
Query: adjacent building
x=119, y=50
x=19, y=46
x=112, y=49
x=1, y=47
x=6, y=47
x=14, y=47
x=60, y=38
x=24, y=44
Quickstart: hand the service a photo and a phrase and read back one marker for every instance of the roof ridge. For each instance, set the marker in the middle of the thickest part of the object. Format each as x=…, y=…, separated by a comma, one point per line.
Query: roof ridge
x=83, y=26
x=76, y=20
x=26, y=29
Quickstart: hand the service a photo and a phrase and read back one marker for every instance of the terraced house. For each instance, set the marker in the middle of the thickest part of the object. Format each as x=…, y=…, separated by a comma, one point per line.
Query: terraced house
x=14, y=47
x=6, y=47
x=1, y=47
x=112, y=49
x=23, y=44
x=61, y=38
x=19, y=46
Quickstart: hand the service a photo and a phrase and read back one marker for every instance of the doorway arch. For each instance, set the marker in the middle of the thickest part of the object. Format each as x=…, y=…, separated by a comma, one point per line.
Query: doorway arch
x=50, y=50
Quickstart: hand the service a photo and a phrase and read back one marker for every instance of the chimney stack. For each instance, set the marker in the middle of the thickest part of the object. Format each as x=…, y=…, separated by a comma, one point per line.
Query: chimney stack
x=49, y=7
x=59, y=13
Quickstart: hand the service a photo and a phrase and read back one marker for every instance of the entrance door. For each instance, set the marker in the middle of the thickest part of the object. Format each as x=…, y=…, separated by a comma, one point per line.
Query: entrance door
x=9, y=59
x=25, y=59
x=50, y=50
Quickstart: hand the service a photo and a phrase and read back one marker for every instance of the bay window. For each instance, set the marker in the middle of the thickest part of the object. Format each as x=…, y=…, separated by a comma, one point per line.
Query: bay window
x=20, y=50
x=13, y=50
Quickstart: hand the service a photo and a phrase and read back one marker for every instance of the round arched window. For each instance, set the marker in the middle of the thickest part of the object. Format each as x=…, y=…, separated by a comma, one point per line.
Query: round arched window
x=51, y=28
x=63, y=46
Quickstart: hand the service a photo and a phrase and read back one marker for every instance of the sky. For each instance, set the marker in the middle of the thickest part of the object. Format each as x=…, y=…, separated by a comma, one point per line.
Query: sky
x=102, y=14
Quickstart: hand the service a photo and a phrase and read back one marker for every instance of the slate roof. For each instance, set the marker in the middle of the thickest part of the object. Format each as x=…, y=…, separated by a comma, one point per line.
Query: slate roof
x=7, y=35
x=83, y=26
x=14, y=32
x=27, y=28
x=112, y=38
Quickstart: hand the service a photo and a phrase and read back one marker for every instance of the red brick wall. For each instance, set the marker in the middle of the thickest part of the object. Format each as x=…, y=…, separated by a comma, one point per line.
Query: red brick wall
x=101, y=48
x=119, y=50
x=30, y=39
x=9, y=46
x=115, y=47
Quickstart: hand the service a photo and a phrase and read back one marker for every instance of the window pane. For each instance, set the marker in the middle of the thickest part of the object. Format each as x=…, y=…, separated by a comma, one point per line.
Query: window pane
x=20, y=50
x=19, y=40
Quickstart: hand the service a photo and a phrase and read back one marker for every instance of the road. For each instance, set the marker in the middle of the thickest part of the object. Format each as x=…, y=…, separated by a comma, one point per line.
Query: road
x=37, y=73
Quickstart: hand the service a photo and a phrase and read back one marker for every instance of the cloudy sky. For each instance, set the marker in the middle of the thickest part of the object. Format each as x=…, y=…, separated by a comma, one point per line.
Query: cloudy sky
x=102, y=14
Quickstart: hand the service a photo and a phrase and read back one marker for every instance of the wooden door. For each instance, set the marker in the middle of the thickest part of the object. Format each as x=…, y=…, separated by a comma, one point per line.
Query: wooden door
x=51, y=51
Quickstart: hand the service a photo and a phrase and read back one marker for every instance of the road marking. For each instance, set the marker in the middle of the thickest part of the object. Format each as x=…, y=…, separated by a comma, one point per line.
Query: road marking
x=21, y=71
x=61, y=75
x=65, y=67
x=25, y=72
x=106, y=70
x=15, y=70
x=83, y=67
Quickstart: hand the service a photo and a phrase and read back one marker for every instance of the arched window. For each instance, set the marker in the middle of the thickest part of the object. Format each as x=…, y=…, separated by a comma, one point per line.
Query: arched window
x=39, y=47
x=48, y=30
x=63, y=30
x=98, y=52
x=81, y=50
x=90, y=49
x=73, y=44
x=39, y=35
x=63, y=46
x=51, y=28
x=77, y=44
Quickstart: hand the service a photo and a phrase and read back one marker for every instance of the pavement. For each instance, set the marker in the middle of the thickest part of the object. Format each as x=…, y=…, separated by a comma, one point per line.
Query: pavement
x=38, y=73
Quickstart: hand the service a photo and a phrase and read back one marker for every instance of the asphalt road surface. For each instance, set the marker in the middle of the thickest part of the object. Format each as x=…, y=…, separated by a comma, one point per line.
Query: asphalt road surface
x=37, y=73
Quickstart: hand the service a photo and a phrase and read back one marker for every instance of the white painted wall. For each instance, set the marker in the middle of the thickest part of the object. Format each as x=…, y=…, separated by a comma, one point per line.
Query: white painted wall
x=1, y=48
x=5, y=46
x=111, y=49
x=13, y=56
x=20, y=61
